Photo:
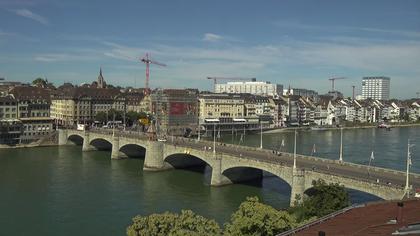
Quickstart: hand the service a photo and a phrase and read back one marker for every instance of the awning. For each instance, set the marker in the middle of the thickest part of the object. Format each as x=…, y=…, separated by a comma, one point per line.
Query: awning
x=211, y=120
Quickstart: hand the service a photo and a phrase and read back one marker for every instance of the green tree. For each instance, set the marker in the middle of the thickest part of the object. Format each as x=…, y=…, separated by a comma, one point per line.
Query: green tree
x=40, y=82
x=101, y=117
x=323, y=199
x=255, y=218
x=133, y=117
x=118, y=114
x=187, y=223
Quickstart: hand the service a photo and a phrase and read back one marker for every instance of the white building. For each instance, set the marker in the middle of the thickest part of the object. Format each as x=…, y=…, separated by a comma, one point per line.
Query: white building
x=377, y=87
x=300, y=92
x=252, y=87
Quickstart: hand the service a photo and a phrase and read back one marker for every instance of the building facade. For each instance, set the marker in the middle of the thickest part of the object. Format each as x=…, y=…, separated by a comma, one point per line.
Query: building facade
x=80, y=105
x=33, y=110
x=377, y=87
x=300, y=92
x=251, y=87
x=175, y=111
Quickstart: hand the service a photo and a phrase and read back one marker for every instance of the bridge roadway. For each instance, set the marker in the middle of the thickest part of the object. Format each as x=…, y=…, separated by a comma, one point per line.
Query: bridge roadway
x=385, y=183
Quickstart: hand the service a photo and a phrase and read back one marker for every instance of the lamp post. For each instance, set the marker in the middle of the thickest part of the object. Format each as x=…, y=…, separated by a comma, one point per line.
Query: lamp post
x=214, y=139
x=199, y=131
x=407, y=187
x=113, y=126
x=294, y=152
x=261, y=140
x=341, y=145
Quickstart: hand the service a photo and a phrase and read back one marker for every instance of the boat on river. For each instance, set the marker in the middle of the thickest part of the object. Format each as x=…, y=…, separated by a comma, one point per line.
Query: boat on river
x=384, y=126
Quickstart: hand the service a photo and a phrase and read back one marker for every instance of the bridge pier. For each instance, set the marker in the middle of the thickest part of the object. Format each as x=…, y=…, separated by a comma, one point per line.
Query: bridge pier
x=62, y=137
x=217, y=178
x=86, y=143
x=116, y=153
x=154, y=159
x=298, y=187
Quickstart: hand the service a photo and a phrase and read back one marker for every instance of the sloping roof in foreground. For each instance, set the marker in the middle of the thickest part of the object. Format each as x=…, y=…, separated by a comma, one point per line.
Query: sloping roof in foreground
x=378, y=218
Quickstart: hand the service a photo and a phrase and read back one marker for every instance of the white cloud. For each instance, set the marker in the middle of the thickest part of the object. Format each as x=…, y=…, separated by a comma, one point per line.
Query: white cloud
x=209, y=37
x=344, y=29
x=311, y=62
x=64, y=57
x=298, y=63
x=30, y=15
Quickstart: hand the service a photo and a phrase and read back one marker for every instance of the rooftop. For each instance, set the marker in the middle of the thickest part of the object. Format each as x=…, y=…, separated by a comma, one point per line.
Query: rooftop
x=380, y=218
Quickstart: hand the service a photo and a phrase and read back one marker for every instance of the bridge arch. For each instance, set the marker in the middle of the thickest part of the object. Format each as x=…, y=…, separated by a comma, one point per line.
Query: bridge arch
x=101, y=143
x=75, y=139
x=185, y=160
x=285, y=173
x=133, y=150
x=378, y=190
x=257, y=177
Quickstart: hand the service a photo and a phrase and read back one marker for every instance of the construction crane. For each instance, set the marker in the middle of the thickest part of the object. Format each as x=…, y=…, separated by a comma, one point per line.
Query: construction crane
x=418, y=94
x=332, y=82
x=147, y=60
x=215, y=79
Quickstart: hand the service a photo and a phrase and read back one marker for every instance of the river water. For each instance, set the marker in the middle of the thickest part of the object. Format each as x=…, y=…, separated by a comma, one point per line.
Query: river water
x=64, y=191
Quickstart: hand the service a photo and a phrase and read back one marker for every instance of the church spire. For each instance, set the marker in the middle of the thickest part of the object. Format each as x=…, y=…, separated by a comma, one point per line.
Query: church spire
x=101, y=81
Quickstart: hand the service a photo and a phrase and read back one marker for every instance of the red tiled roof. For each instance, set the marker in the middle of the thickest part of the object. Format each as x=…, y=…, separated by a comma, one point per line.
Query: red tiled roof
x=373, y=219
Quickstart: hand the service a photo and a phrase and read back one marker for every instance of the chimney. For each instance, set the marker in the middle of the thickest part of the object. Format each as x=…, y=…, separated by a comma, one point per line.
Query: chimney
x=400, y=213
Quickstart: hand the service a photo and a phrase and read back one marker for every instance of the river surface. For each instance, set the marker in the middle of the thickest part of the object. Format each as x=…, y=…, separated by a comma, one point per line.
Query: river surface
x=64, y=191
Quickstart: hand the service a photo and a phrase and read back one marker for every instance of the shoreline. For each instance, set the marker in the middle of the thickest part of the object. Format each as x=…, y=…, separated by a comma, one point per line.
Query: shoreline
x=4, y=146
x=287, y=129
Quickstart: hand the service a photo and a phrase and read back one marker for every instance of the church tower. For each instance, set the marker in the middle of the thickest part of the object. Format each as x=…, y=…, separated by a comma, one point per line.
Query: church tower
x=101, y=81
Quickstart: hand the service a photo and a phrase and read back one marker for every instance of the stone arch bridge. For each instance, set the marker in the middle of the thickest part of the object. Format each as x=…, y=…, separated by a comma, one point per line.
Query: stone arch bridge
x=232, y=163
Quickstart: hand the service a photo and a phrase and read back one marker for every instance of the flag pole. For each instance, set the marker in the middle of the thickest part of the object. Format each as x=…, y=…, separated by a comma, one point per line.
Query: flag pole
x=370, y=160
x=408, y=169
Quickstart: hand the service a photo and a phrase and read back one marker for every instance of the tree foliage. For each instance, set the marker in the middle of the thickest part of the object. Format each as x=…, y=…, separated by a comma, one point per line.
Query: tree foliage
x=133, y=117
x=323, y=199
x=39, y=82
x=101, y=117
x=187, y=223
x=255, y=218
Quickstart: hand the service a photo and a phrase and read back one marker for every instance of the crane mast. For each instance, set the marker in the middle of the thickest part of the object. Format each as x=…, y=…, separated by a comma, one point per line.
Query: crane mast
x=333, y=80
x=147, y=61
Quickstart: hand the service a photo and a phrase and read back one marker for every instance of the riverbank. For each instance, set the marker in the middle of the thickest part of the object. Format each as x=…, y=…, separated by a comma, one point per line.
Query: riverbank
x=52, y=140
x=306, y=128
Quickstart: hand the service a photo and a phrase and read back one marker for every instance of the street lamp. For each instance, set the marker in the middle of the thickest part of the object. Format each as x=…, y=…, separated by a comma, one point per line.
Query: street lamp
x=261, y=140
x=199, y=131
x=407, y=187
x=341, y=145
x=294, y=152
x=214, y=138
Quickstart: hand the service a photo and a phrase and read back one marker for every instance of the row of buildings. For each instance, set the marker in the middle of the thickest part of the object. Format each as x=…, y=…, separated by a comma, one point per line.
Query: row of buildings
x=28, y=113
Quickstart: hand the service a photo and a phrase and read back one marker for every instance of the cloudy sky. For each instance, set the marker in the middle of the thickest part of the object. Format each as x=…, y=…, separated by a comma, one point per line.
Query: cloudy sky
x=296, y=43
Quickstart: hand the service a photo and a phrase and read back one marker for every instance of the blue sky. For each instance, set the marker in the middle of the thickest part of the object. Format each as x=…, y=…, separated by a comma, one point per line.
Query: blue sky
x=301, y=43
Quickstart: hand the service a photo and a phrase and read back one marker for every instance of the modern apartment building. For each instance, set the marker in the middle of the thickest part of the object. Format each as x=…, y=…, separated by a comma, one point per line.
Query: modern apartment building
x=300, y=92
x=376, y=87
x=251, y=87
